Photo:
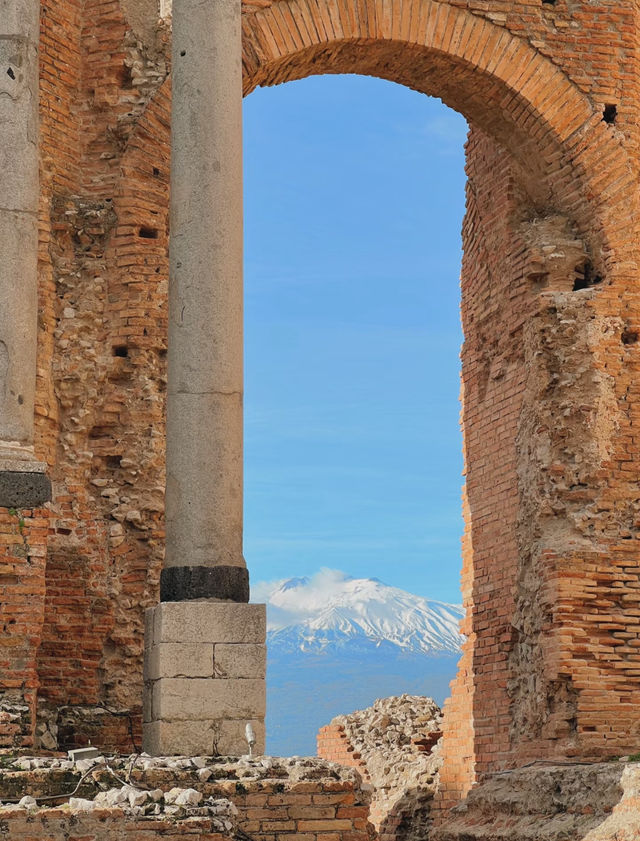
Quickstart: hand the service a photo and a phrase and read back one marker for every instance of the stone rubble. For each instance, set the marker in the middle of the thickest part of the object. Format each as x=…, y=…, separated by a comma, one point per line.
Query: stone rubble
x=178, y=803
x=397, y=740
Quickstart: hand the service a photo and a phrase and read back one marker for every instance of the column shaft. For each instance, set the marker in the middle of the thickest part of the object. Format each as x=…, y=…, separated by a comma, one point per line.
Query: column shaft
x=204, y=406
x=22, y=480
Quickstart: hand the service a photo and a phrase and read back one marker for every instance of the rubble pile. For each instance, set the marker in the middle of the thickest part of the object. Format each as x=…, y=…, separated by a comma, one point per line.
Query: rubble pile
x=178, y=803
x=397, y=739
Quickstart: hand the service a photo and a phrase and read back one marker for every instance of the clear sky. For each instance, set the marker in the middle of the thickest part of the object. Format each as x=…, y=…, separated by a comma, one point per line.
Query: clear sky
x=354, y=196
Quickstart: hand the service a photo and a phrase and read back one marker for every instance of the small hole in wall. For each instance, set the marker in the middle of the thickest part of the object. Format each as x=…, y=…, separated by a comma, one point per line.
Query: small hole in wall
x=610, y=113
x=10, y=73
x=113, y=461
x=63, y=531
x=20, y=400
x=629, y=337
x=156, y=171
x=125, y=78
x=121, y=350
x=548, y=2
x=183, y=53
x=585, y=277
x=148, y=233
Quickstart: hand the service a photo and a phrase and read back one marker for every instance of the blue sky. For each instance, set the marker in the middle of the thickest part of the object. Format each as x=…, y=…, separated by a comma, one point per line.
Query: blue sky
x=354, y=196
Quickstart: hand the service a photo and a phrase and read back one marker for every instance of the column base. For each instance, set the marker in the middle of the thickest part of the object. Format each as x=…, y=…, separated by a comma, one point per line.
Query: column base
x=23, y=480
x=179, y=584
x=204, y=673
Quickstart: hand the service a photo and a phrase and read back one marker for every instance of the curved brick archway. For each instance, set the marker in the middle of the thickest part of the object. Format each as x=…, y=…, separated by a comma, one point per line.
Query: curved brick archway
x=498, y=81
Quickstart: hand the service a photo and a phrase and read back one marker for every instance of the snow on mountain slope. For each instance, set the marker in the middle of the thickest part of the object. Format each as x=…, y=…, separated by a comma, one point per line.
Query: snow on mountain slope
x=333, y=611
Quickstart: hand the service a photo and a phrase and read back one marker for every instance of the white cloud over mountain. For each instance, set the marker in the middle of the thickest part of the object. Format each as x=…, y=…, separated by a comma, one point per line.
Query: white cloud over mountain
x=331, y=609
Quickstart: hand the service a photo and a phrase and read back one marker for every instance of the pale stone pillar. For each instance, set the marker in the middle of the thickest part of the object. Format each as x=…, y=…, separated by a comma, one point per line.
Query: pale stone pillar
x=205, y=353
x=204, y=655
x=23, y=483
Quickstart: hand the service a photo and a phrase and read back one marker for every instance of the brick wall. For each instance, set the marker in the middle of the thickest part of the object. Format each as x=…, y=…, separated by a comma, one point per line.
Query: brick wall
x=101, y=825
x=334, y=746
x=23, y=541
x=282, y=800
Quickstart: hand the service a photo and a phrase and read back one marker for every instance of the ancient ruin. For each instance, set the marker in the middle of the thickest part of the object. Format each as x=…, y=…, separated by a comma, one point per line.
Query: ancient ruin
x=99, y=334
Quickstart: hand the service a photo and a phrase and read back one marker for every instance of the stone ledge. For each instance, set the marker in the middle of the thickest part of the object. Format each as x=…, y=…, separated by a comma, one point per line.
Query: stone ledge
x=206, y=622
x=595, y=802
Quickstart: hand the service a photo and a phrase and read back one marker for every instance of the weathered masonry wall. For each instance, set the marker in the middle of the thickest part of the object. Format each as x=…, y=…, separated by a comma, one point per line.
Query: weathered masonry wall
x=394, y=746
x=273, y=800
x=551, y=316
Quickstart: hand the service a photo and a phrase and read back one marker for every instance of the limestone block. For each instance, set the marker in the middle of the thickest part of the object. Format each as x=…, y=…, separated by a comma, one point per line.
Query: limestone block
x=240, y=660
x=175, y=659
x=201, y=622
x=201, y=699
x=147, y=701
x=209, y=738
x=231, y=739
x=149, y=615
x=164, y=738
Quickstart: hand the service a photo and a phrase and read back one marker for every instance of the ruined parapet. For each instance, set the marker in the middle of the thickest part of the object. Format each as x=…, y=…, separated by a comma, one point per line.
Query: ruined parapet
x=123, y=813
x=394, y=744
x=564, y=802
x=207, y=798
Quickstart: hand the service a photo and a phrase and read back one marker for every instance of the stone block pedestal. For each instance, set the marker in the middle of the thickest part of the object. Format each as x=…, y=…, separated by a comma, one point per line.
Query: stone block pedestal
x=204, y=673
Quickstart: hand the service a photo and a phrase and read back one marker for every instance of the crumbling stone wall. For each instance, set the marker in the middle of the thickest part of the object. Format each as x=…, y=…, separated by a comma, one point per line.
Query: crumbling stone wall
x=264, y=799
x=103, y=825
x=395, y=746
x=589, y=802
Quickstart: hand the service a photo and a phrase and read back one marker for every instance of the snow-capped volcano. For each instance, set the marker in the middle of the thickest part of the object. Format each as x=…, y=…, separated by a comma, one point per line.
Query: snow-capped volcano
x=334, y=611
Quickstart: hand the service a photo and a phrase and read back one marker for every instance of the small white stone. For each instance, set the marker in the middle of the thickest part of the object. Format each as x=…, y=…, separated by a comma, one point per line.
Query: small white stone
x=204, y=774
x=112, y=797
x=28, y=802
x=188, y=797
x=79, y=804
x=136, y=797
x=171, y=796
x=156, y=795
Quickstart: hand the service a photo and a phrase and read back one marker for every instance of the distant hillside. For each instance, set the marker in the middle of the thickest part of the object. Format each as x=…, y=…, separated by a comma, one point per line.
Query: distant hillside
x=337, y=643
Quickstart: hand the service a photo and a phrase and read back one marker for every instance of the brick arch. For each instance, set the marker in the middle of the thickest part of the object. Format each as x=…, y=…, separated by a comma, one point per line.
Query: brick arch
x=294, y=38
x=495, y=79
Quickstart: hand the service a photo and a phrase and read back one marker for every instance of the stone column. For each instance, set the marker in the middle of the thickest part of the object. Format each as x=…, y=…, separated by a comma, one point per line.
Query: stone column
x=205, y=645
x=23, y=483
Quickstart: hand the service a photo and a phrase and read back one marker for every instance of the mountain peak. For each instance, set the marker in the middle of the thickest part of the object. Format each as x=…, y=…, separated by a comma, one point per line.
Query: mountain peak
x=333, y=610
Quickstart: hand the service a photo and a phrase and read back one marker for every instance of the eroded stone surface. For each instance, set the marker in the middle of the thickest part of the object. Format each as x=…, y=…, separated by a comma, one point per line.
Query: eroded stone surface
x=394, y=743
x=596, y=802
